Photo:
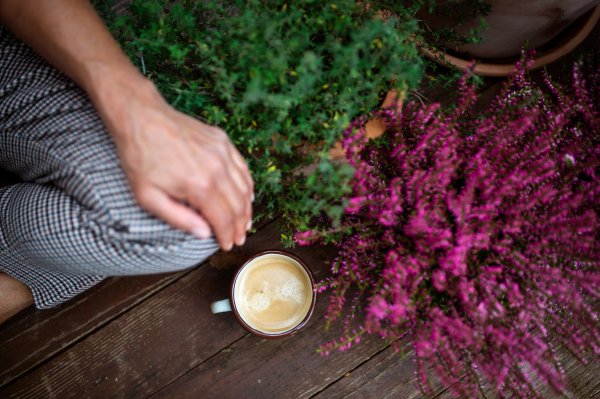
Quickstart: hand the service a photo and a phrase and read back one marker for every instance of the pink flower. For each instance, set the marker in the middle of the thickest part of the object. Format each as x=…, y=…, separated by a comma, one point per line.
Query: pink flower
x=468, y=230
x=439, y=280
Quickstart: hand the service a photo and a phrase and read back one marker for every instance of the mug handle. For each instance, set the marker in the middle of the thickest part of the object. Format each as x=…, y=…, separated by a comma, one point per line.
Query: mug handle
x=221, y=306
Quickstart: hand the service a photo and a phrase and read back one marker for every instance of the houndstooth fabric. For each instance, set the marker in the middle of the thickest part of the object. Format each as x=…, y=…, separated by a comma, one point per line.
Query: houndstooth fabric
x=75, y=219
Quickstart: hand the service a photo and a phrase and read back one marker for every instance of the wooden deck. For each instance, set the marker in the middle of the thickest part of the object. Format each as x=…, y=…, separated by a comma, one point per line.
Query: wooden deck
x=155, y=336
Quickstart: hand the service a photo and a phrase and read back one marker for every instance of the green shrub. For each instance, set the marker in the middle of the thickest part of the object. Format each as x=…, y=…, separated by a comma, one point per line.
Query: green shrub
x=275, y=75
x=279, y=77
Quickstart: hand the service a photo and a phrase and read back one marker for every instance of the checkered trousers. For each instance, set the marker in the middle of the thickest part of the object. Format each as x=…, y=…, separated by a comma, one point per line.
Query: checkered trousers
x=75, y=219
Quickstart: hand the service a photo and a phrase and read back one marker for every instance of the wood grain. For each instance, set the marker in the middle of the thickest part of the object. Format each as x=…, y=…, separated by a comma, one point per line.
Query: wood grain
x=391, y=374
x=44, y=333
x=35, y=336
x=139, y=336
x=388, y=374
x=155, y=343
x=286, y=368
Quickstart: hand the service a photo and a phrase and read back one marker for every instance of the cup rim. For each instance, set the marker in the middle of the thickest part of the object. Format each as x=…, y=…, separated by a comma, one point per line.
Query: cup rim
x=298, y=326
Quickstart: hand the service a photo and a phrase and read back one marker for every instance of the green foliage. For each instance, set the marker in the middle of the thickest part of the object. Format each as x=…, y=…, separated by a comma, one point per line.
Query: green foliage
x=282, y=79
x=279, y=78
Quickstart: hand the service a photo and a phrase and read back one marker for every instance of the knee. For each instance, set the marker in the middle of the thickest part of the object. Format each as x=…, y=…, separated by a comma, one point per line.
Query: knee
x=167, y=250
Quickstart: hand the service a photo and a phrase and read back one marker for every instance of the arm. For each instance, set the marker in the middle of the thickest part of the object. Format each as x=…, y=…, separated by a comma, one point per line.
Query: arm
x=167, y=156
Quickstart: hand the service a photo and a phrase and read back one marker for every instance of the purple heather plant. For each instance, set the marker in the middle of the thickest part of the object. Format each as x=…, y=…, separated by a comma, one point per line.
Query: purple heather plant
x=476, y=235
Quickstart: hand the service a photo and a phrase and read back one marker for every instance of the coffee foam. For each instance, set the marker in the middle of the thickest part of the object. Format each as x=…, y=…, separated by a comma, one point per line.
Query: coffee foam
x=273, y=293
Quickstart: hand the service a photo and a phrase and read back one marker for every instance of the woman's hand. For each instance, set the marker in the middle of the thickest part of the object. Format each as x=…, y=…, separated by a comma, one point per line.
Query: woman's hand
x=168, y=157
x=171, y=158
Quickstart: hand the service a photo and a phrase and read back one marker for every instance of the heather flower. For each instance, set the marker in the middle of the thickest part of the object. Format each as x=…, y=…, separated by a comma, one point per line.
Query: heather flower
x=476, y=235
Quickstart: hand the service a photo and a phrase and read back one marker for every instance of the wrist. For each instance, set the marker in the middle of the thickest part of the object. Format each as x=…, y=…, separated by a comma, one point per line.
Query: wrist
x=115, y=92
x=104, y=81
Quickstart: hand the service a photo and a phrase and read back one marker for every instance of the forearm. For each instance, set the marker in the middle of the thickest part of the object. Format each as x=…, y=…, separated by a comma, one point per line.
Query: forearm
x=70, y=35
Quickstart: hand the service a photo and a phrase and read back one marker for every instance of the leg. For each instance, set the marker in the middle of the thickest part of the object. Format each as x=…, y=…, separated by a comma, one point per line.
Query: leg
x=75, y=220
x=14, y=297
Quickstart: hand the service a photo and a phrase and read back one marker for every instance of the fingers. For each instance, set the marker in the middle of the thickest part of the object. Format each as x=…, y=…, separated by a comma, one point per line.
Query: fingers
x=240, y=162
x=243, y=173
x=212, y=202
x=219, y=199
x=206, y=171
x=177, y=215
x=238, y=166
x=232, y=182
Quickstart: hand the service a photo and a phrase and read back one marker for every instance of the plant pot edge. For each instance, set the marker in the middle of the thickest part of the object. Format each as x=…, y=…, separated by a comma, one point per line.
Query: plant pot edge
x=588, y=22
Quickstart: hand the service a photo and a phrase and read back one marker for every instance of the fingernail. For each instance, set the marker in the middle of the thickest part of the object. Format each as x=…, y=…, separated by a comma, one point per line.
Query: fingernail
x=228, y=247
x=242, y=241
x=201, y=232
x=252, y=198
x=249, y=225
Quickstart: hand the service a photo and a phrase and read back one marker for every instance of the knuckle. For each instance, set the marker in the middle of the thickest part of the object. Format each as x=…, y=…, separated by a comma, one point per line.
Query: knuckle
x=215, y=160
x=240, y=209
x=228, y=222
x=200, y=183
x=217, y=131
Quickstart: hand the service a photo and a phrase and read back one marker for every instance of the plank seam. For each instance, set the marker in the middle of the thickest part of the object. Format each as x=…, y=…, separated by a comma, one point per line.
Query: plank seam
x=116, y=317
x=350, y=371
x=198, y=365
x=98, y=328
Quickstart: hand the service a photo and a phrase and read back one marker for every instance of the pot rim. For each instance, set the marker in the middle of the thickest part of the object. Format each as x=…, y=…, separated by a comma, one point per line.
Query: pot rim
x=580, y=29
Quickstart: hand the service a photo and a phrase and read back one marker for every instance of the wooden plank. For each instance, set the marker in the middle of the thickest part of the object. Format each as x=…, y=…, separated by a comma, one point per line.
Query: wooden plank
x=377, y=378
x=157, y=341
x=285, y=368
x=391, y=375
x=583, y=380
x=44, y=333
x=388, y=374
x=35, y=336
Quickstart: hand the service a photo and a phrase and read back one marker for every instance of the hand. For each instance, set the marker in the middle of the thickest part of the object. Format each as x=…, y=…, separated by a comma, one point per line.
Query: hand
x=170, y=158
x=167, y=156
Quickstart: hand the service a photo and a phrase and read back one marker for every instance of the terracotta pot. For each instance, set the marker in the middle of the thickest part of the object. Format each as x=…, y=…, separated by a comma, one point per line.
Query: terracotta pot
x=373, y=129
x=552, y=27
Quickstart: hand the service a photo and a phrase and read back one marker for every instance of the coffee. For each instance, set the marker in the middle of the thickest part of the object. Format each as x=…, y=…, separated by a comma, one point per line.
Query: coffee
x=273, y=293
